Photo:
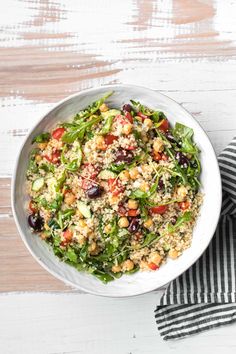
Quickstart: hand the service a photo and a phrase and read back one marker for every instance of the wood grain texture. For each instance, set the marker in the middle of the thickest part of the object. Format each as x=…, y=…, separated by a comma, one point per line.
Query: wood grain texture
x=50, y=49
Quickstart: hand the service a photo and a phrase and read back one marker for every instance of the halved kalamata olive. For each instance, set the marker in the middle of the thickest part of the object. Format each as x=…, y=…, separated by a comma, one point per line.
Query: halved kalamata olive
x=123, y=155
x=134, y=225
x=127, y=108
x=182, y=159
x=36, y=222
x=160, y=184
x=94, y=192
x=170, y=137
x=173, y=220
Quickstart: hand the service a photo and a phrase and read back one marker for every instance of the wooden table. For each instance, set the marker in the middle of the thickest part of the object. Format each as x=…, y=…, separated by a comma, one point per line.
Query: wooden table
x=50, y=49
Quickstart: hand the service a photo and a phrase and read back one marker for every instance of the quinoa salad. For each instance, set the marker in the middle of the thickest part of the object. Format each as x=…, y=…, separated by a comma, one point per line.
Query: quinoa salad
x=115, y=190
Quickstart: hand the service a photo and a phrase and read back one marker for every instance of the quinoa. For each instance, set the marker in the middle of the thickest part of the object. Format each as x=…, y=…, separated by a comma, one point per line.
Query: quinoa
x=115, y=191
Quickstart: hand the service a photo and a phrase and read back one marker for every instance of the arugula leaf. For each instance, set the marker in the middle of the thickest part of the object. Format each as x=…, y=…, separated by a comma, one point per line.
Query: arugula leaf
x=155, y=115
x=60, y=182
x=47, y=167
x=71, y=255
x=185, y=134
x=91, y=109
x=186, y=217
x=74, y=164
x=56, y=204
x=150, y=238
x=108, y=123
x=71, y=136
x=104, y=277
x=64, y=216
x=41, y=138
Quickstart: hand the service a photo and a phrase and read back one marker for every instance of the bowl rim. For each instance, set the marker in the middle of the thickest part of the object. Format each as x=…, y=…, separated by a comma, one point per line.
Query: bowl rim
x=13, y=190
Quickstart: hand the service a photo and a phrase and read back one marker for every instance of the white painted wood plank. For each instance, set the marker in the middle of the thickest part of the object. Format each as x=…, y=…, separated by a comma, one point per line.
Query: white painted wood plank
x=84, y=324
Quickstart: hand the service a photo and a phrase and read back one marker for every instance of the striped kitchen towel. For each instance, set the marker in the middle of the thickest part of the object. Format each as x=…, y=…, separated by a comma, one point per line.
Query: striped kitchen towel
x=204, y=297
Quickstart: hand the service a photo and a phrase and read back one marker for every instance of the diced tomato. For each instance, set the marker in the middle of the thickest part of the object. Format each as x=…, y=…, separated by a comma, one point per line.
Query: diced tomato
x=121, y=210
x=54, y=158
x=32, y=207
x=130, y=148
x=129, y=116
x=143, y=116
x=153, y=266
x=115, y=186
x=133, y=212
x=65, y=191
x=67, y=235
x=164, y=125
x=109, y=139
x=57, y=133
x=184, y=205
x=161, y=209
x=164, y=157
x=157, y=156
x=88, y=175
x=120, y=119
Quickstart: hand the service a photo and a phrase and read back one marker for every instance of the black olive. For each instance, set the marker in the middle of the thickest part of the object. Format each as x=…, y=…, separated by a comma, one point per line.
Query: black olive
x=94, y=192
x=36, y=222
x=134, y=225
x=170, y=137
x=123, y=155
x=182, y=159
x=160, y=184
x=173, y=220
x=127, y=108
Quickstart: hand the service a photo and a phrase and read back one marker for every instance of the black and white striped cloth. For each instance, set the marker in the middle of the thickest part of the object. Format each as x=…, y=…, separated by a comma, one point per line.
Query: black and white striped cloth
x=204, y=297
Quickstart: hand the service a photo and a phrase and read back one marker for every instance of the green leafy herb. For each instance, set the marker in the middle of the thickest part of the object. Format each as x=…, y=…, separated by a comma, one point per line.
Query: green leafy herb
x=107, y=126
x=72, y=135
x=104, y=277
x=150, y=238
x=73, y=165
x=47, y=167
x=91, y=109
x=41, y=138
x=186, y=217
x=185, y=135
x=71, y=255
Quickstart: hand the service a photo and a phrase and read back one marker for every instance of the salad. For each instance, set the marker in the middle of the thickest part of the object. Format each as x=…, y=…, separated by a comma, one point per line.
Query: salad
x=115, y=190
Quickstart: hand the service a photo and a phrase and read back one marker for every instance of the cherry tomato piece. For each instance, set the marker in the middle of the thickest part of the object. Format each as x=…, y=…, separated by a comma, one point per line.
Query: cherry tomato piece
x=159, y=209
x=67, y=235
x=109, y=139
x=164, y=125
x=54, y=158
x=133, y=212
x=32, y=207
x=157, y=156
x=184, y=205
x=115, y=187
x=143, y=116
x=57, y=133
x=131, y=148
x=129, y=116
x=164, y=157
x=153, y=266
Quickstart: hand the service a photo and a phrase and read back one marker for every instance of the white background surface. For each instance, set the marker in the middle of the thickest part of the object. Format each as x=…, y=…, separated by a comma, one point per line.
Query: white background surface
x=188, y=54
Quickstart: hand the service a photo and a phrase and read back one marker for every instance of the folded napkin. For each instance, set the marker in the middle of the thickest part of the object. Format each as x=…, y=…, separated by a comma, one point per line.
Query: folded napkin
x=204, y=297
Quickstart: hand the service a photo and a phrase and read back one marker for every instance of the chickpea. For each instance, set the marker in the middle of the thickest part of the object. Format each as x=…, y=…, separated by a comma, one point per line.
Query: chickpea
x=69, y=198
x=124, y=175
x=148, y=223
x=132, y=204
x=158, y=145
x=148, y=123
x=144, y=137
x=155, y=258
x=144, y=187
x=116, y=268
x=107, y=229
x=103, y=108
x=123, y=222
x=134, y=173
x=182, y=192
x=100, y=143
x=38, y=158
x=127, y=265
x=92, y=247
x=127, y=128
x=82, y=223
x=173, y=253
x=113, y=199
x=81, y=239
x=42, y=146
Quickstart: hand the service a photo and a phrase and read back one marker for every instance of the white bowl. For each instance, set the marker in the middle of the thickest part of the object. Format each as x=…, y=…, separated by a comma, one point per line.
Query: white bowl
x=140, y=282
